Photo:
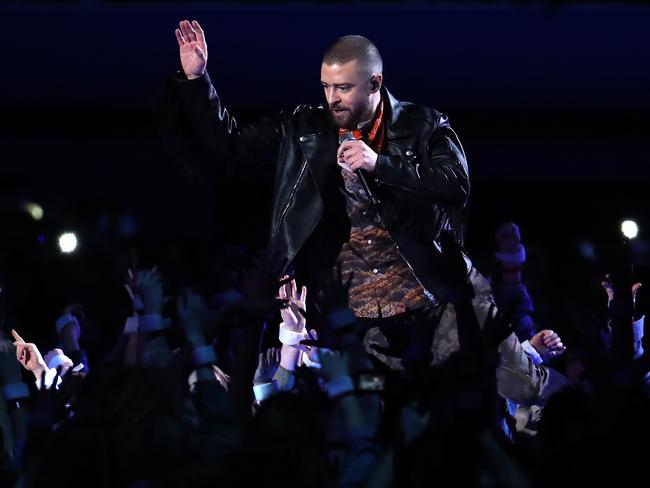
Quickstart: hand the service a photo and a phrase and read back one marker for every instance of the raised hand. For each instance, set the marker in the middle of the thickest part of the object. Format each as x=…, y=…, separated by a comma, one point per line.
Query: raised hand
x=131, y=288
x=267, y=365
x=608, y=286
x=72, y=329
x=193, y=48
x=293, y=315
x=333, y=365
x=29, y=356
x=149, y=286
x=192, y=315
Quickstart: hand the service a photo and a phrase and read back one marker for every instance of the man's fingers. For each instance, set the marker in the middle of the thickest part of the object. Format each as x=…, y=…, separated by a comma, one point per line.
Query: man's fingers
x=199, y=32
x=185, y=30
x=345, y=147
x=355, y=163
x=180, y=39
x=188, y=33
x=191, y=33
x=17, y=337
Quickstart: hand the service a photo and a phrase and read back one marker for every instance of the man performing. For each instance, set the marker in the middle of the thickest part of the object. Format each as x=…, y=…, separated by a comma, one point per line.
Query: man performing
x=368, y=181
x=401, y=176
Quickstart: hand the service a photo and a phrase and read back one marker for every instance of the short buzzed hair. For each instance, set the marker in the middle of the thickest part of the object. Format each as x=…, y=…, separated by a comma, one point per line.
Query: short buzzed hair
x=348, y=48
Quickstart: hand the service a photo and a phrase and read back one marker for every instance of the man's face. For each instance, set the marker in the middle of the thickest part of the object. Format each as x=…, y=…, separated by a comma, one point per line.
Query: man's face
x=348, y=92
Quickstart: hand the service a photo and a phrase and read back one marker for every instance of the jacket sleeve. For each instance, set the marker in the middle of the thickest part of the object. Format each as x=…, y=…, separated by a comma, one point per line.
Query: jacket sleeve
x=519, y=379
x=441, y=176
x=199, y=131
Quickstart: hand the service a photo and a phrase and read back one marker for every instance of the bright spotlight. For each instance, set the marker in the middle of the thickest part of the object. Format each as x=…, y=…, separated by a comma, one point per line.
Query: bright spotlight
x=67, y=242
x=34, y=209
x=629, y=229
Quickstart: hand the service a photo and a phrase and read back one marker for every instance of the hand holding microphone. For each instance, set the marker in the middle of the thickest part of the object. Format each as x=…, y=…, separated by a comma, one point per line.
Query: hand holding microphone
x=354, y=154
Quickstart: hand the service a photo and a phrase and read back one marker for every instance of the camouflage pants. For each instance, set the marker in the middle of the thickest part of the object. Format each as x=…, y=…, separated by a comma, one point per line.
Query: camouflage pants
x=444, y=341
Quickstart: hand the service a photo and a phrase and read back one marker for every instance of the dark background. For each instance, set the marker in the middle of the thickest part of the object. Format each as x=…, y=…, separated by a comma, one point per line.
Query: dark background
x=550, y=100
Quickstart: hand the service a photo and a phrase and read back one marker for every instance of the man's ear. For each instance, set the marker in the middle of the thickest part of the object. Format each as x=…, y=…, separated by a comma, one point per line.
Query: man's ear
x=375, y=83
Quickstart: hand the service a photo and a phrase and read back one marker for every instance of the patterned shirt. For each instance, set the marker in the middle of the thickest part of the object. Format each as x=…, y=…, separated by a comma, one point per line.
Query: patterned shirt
x=381, y=279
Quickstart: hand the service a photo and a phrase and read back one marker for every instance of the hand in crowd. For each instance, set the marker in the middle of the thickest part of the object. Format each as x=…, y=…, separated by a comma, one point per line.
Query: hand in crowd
x=63, y=361
x=293, y=315
x=193, y=48
x=29, y=356
x=608, y=286
x=149, y=287
x=192, y=314
x=333, y=365
x=76, y=310
x=131, y=289
x=547, y=343
x=267, y=365
x=508, y=237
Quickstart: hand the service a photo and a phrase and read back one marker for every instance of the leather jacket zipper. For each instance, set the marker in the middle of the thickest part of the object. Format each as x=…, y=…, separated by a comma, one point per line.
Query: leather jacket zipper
x=284, y=213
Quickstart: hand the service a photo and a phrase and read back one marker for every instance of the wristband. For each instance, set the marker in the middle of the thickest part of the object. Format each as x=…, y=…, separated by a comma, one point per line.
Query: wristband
x=204, y=356
x=265, y=391
x=64, y=320
x=340, y=386
x=131, y=325
x=290, y=338
x=15, y=391
x=152, y=323
x=532, y=353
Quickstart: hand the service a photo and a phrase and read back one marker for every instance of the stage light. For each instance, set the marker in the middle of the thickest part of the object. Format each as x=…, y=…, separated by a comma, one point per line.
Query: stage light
x=629, y=229
x=68, y=242
x=34, y=209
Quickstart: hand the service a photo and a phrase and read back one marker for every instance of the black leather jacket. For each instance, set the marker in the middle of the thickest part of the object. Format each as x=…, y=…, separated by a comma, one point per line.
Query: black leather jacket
x=421, y=178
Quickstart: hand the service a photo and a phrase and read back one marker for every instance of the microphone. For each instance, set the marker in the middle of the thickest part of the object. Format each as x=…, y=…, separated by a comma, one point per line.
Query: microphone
x=347, y=136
